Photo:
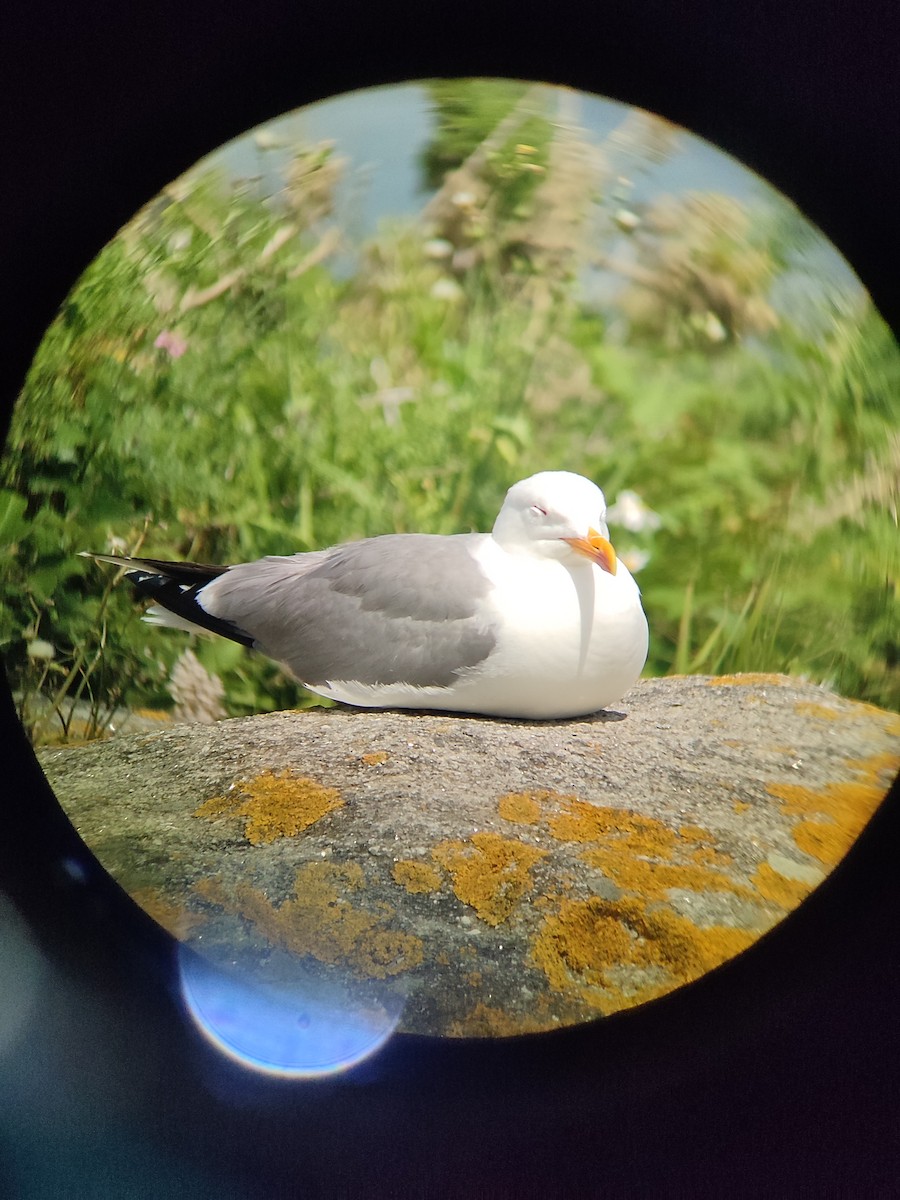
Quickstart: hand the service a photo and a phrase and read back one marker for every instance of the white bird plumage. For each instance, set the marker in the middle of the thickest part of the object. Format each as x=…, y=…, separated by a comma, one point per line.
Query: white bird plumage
x=537, y=619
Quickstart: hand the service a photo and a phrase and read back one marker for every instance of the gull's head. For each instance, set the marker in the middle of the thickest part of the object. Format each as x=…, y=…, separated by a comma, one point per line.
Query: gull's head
x=558, y=515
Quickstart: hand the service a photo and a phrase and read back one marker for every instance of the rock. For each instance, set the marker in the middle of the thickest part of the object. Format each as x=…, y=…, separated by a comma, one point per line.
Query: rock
x=493, y=877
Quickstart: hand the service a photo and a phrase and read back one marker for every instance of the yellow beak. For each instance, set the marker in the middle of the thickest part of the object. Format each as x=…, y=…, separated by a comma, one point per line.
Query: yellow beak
x=597, y=549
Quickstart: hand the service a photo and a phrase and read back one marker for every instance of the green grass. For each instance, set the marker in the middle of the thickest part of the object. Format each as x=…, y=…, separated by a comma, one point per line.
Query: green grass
x=308, y=409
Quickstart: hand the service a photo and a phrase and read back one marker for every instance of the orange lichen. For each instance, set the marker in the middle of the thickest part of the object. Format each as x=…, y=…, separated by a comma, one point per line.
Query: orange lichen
x=693, y=833
x=273, y=806
x=806, y=708
x=616, y=954
x=833, y=797
x=523, y=808
x=319, y=921
x=489, y=873
x=846, y=806
x=787, y=893
x=483, y=1020
x=748, y=680
x=376, y=758
x=652, y=880
x=173, y=917
x=710, y=857
x=740, y=806
x=877, y=766
x=631, y=845
x=826, y=842
x=890, y=720
x=642, y=855
x=580, y=821
x=416, y=877
x=583, y=939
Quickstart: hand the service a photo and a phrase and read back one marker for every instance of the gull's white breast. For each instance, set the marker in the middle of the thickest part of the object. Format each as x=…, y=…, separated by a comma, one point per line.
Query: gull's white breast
x=571, y=638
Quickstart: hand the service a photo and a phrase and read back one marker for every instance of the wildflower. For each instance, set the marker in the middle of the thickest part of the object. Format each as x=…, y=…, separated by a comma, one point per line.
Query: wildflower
x=464, y=200
x=713, y=328
x=198, y=695
x=438, y=248
x=446, y=289
x=267, y=139
x=38, y=648
x=632, y=513
x=627, y=220
x=180, y=240
x=634, y=559
x=173, y=345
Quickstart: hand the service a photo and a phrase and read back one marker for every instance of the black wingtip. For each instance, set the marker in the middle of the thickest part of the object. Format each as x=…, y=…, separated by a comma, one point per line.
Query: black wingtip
x=176, y=586
x=183, y=600
x=184, y=572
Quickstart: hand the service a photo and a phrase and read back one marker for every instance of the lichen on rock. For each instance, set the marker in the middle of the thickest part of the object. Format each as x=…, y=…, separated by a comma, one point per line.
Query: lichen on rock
x=492, y=877
x=273, y=805
x=490, y=873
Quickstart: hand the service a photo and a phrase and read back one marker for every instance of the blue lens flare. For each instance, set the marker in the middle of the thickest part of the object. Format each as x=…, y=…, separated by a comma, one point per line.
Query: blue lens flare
x=285, y=1030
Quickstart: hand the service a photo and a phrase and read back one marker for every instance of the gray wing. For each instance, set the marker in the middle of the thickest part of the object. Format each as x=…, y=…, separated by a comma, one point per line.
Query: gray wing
x=402, y=608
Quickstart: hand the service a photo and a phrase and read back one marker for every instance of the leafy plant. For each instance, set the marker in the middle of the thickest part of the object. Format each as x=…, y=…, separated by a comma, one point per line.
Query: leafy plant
x=211, y=389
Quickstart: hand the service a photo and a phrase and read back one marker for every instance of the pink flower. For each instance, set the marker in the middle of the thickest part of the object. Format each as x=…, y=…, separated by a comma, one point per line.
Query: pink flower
x=173, y=345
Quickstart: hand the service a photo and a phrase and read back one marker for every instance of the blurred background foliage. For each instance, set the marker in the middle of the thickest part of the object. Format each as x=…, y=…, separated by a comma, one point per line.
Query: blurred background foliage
x=213, y=388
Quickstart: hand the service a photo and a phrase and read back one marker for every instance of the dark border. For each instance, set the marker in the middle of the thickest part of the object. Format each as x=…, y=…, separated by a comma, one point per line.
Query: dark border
x=777, y=1074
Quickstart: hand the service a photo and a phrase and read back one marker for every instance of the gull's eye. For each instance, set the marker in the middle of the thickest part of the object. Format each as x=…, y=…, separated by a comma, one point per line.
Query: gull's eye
x=537, y=511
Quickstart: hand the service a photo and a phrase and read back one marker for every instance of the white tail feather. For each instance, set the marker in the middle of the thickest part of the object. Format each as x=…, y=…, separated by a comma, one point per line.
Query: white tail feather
x=156, y=615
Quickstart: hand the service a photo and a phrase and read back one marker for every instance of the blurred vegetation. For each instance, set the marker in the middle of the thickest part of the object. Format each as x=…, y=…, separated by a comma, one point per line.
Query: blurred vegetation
x=211, y=389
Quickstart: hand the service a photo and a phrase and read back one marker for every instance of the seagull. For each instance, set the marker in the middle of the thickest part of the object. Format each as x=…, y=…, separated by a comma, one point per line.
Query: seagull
x=537, y=619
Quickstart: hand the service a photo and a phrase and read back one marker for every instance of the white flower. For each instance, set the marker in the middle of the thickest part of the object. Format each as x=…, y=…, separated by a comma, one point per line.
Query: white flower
x=180, y=240
x=632, y=513
x=627, y=220
x=38, y=648
x=709, y=325
x=266, y=139
x=464, y=199
x=635, y=560
x=446, y=289
x=438, y=248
